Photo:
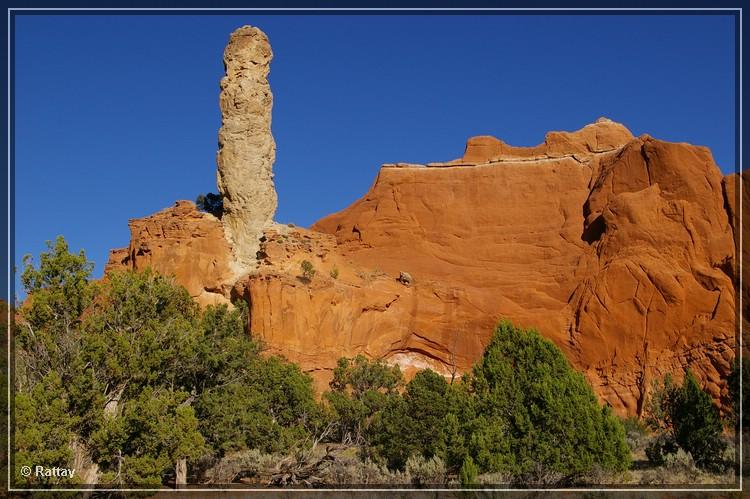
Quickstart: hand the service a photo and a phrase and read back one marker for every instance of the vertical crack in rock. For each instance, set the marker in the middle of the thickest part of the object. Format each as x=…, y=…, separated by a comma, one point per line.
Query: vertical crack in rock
x=246, y=146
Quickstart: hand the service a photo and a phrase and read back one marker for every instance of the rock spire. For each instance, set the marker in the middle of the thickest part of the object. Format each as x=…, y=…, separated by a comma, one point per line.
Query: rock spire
x=246, y=146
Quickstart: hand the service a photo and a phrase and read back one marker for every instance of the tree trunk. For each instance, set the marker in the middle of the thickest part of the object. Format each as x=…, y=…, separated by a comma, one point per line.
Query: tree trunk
x=180, y=471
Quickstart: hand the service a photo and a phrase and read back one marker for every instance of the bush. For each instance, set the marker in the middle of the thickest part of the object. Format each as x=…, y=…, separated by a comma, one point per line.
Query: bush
x=360, y=389
x=680, y=460
x=468, y=473
x=660, y=447
x=426, y=471
x=660, y=404
x=135, y=373
x=334, y=273
x=685, y=417
x=236, y=465
x=636, y=433
x=355, y=472
x=413, y=424
x=210, y=203
x=308, y=271
x=537, y=415
x=697, y=425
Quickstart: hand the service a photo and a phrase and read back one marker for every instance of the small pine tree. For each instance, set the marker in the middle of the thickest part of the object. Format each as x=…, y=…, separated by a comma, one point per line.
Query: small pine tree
x=468, y=473
x=684, y=418
x=697, y=425
x=537, y=413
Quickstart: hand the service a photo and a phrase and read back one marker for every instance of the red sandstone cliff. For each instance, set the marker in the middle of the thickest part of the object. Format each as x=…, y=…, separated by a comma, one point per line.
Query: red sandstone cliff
x=618, y=249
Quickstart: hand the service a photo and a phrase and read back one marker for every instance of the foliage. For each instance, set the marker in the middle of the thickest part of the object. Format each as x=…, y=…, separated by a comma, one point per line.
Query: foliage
x=685, y=417
x=43, y=430
x=468, y=473
x=426, y=471
x=697, y=425
x=636, y=433
x=270, y=408
x=156, y=429
x=49, y=336
x=522, y=410
x=308, y=271
x=142, y=378
x=537, y=412
x=359, y=390
x=661, y=446
x=334, y=273
x=660, y=404
x=424, y=422
x=248, y=462
x=210, y=203
x=139, y=334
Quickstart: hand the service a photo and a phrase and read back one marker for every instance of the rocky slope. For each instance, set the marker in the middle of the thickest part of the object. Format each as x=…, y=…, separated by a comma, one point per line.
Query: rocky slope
x=618, y=249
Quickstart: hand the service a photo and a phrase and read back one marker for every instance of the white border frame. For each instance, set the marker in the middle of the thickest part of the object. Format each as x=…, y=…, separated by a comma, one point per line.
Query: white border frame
x=738, y=193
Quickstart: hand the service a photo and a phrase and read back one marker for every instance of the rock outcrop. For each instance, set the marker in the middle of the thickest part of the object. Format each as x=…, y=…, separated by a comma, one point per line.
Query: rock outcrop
x=246, y=146
x=619, y=249
x=181, y=242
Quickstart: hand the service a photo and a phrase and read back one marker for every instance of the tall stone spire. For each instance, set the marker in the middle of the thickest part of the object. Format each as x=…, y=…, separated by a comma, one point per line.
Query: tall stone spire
x=246, y=146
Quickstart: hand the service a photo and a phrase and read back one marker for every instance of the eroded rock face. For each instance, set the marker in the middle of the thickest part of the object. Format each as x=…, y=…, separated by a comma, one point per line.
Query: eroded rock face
x=618, y=249
x=246, y=146
x=182, y=242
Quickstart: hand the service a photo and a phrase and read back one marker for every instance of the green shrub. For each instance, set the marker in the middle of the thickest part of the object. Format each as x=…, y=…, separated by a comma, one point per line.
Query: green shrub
x=697, y=425
x=660, y=447
x=685, y=417
x=660, y=404
x=334, y=273
x=410, y=425
x=538, y=415
x=636, y=433
x=142, y=379
x=210, y=203
x=308, y=271
x=468, y=473
x=360, y=389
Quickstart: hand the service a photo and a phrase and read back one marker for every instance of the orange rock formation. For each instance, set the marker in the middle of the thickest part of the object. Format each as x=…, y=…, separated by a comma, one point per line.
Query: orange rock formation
x=618, y=249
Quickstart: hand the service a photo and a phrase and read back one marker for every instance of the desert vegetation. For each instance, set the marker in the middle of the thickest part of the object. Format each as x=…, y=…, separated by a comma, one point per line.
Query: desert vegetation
x=210, y=203
x=130, y=382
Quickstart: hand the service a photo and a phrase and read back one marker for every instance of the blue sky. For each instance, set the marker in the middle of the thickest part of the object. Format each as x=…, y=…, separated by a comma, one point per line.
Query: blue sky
x=117, y=116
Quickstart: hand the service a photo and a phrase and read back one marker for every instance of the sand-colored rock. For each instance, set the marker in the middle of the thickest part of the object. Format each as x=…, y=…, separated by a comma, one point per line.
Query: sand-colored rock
x=247, y=149
x=182, y=242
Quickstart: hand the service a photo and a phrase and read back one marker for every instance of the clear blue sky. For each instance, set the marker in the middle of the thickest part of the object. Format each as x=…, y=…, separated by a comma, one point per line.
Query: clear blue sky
x=117, y=116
